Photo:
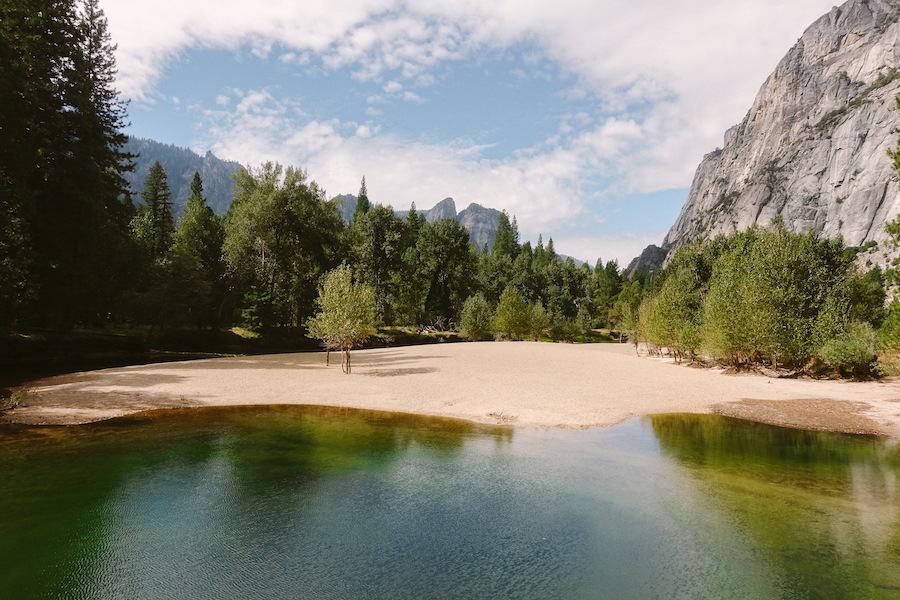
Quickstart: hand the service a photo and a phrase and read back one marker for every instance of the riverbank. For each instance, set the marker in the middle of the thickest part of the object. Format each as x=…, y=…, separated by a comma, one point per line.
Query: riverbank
x=529, y=384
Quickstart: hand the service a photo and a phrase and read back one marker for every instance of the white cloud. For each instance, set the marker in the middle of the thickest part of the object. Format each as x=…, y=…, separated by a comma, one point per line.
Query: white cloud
x=620, y=246
x=540, y=190
x=700, y=61
x=366, y=131
x=411, y=97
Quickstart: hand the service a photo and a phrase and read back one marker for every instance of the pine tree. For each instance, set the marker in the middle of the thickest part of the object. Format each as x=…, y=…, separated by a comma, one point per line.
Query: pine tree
x=102, y=111
x=200, y=233
x=154, y=224
x=362, y=201
x=60, y=167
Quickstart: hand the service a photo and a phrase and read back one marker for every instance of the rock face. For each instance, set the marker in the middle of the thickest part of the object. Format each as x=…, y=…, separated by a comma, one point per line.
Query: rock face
x=346, y=206
x=813, y=146
x=650, y=260
x=443, y=209
x=481, y=223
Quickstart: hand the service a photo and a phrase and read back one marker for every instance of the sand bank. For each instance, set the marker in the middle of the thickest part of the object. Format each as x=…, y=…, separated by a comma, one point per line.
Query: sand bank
x=518, y=383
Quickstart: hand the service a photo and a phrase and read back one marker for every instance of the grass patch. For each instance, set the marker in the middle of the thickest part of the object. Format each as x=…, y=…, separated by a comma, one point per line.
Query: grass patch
x=244, y=333
x=9, y=399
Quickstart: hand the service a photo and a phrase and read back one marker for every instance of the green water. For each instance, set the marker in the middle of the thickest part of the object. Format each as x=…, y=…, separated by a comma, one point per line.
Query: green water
x=308, y=502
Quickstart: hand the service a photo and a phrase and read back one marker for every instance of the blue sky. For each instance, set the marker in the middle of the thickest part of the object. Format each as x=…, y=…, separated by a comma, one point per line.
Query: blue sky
x=585, y=120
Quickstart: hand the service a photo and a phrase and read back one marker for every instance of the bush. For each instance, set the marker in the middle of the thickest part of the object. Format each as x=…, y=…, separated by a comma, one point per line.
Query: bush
x=564, y=330
x=475, y=320
x=540, y=321
x=853, y=351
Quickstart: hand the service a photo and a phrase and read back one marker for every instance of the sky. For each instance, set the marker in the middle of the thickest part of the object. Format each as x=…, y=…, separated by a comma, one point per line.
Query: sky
x=584, y=119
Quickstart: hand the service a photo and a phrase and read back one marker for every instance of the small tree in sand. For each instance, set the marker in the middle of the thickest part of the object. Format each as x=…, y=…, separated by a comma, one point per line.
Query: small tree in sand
x=346, y=315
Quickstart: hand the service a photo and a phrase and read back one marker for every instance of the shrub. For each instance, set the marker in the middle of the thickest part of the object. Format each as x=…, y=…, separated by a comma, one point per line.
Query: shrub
x=540, y=321
x=564, y=330
x=853, y=351
x=475, y=320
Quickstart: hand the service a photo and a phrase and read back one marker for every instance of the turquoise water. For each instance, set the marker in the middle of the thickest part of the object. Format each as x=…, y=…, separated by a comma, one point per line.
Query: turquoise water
x=309, y=502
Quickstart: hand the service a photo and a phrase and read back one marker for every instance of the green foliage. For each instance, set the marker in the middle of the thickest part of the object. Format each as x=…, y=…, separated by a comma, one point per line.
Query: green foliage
x=761, y=295
x=674, y=321
x=475, y=320
x=154, y=224
x=506, y=240
x=446, y=267
x=889, y=333
x=625, y=315
x=61, y=164
x=540, y=321
x=197, y=244
x=564, y=330
x=280, y=236
x=852, y=351
x=346, y=313
x=376, y=239
x=513, y=316
x=362, y=201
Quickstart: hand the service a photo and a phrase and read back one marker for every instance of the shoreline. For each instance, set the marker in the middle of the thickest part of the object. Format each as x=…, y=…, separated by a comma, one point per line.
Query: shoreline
x=523, y=384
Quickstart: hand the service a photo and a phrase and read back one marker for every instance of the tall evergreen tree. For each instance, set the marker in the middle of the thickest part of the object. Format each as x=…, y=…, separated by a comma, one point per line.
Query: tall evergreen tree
x=362, y=201
x=154, y=224
x=506, y=241
x=60, y=163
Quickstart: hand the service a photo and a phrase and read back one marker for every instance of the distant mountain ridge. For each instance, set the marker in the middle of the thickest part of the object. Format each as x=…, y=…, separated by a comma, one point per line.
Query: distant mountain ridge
x=181, y=164
x=480, y=222
x=218, y=189
x=812, y=148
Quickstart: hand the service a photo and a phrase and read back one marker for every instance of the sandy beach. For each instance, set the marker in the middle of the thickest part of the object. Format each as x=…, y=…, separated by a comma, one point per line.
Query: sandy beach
x=517, y=383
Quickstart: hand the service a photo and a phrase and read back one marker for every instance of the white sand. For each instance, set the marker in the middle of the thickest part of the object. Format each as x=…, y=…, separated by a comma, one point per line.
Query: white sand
x=518, y=383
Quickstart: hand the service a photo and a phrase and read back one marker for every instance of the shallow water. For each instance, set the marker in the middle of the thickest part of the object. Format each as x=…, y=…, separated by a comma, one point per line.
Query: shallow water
x=311, y=502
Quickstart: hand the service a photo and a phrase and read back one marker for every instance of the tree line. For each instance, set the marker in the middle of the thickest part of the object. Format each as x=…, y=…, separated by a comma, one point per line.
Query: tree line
x=63, y=231
x=259, y=266
x=771, y=297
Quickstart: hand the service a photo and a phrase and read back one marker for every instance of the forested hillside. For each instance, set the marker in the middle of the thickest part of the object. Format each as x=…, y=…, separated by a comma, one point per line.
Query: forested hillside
x=181, y=164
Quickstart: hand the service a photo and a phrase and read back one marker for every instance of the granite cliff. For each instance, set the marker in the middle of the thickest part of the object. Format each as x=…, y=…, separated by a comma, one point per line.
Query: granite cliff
x=812, y=147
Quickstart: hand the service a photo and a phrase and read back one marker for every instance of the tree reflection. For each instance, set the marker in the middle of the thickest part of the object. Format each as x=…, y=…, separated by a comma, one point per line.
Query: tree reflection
x=821, y=507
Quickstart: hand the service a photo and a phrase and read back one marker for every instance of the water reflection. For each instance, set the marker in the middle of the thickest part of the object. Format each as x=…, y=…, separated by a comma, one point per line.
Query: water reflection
x=311, y=502
x=822, y=508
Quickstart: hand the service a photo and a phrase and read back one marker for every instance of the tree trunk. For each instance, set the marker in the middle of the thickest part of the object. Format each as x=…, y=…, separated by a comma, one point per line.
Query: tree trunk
x=345, y=363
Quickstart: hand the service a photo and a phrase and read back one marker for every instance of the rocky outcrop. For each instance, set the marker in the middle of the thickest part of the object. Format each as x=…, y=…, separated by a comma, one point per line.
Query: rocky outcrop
x=346, y=206
x=813, y=146
x=650, y=260
x=443, y=209
x=481, y=223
